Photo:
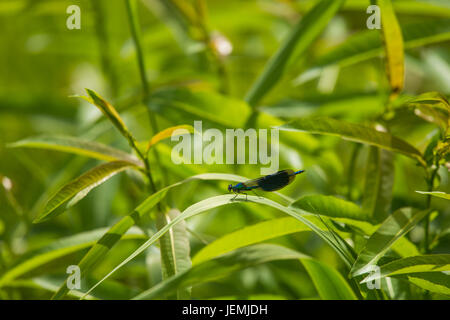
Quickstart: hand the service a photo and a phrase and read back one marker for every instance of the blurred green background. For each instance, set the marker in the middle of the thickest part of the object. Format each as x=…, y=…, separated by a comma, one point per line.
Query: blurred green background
x=43, y=63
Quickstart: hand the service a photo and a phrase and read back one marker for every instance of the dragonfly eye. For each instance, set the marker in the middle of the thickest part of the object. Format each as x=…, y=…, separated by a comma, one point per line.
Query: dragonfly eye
x=230, y=187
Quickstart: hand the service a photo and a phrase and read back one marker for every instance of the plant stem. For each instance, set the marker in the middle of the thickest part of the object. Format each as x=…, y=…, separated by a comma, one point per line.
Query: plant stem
x=105, y=48
x=134, y=28
x=351, y=170
x=428, y=206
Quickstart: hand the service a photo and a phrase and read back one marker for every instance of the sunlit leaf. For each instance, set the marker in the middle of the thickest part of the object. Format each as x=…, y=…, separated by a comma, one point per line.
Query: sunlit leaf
x=77, y=189
x=253, y=234
x=353, y=132
x=330, y=206
x=175, y=249
x=378, y=184
x=220, y=267
x=329, y=283
x=299, y=40
x=411, y=265
x=108, y=110
x=438, y=194
x=114, y=234
x=218, y=201
x=438, y=282
x=167, y=133
x=392, y=229
x=77, y=146
x=393, y=45
x=58, y=249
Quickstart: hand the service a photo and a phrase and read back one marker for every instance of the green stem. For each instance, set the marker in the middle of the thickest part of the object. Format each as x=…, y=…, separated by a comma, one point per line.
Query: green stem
x=105, y=48
x=351, y=170
x=428, y=206
x=134, y=28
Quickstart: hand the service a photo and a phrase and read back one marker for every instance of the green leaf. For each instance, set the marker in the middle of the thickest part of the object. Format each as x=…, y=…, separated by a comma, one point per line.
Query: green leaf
x=44, y=284
x=299, y=40
x=57, y=249
x=220, y=267
x=432, y=107
x=368, y=44
x=175, y=249
x=329, y=283
x=392, y=229
x=114, y=234
x=411, y=265
x=393, y=46
x=438, y=194
x=218, y=201
x=77, y=146
x=353, y=132
x=433, y=98
x=253, y=234
x=77, y=189
x=109, y=111
x=438, y=282
x=378, y=184
x=330, y=206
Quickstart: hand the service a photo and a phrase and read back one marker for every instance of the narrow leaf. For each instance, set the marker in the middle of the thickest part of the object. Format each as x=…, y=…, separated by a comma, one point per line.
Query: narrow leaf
x=411, y=265
x=114, y=234
x=300, y=39
x=253, y=234
x=437, y=282
x=329, y=283
x=330, y=206
x=218, y=201
x=77, y=146
x=167, y=133
x=63, y=247
x=220, y=267
x=378, y=184
x=438, y=194
x=175, y=249
x=77, y=189
x=109, y=111
x=393, y=45
x=353, y=132
x=392, y=229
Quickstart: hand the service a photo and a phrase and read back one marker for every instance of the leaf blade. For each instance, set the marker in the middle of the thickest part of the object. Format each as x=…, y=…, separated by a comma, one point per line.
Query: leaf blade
x=300, y=38
x=330, y=206
x=78, y=146
x=393, y=228
x=353, y=132
x=78, y=188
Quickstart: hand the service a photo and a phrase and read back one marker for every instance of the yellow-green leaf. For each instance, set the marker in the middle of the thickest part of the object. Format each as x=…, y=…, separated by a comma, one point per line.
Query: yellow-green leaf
x=393, y=46
x=167, y=133
x=77, y=189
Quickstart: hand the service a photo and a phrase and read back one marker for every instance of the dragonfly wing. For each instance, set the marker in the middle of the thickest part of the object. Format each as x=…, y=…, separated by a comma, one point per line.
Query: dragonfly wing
x=276, y=181
x=251, y=184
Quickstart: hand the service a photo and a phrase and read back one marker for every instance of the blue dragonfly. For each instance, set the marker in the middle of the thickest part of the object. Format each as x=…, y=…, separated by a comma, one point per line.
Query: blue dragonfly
x=271, y=182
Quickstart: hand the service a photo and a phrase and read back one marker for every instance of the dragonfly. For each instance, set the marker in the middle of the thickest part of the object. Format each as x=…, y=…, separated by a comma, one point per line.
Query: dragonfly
x=271, y=182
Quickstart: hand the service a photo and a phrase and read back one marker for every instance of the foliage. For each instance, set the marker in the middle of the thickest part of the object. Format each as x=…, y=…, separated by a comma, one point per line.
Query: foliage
x=90, y=181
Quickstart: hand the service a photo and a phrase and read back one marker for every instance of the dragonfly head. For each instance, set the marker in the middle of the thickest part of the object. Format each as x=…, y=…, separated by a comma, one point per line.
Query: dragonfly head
x=230, y=187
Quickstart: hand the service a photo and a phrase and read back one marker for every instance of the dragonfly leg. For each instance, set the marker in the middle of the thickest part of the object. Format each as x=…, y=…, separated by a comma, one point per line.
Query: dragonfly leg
x=235, y=195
